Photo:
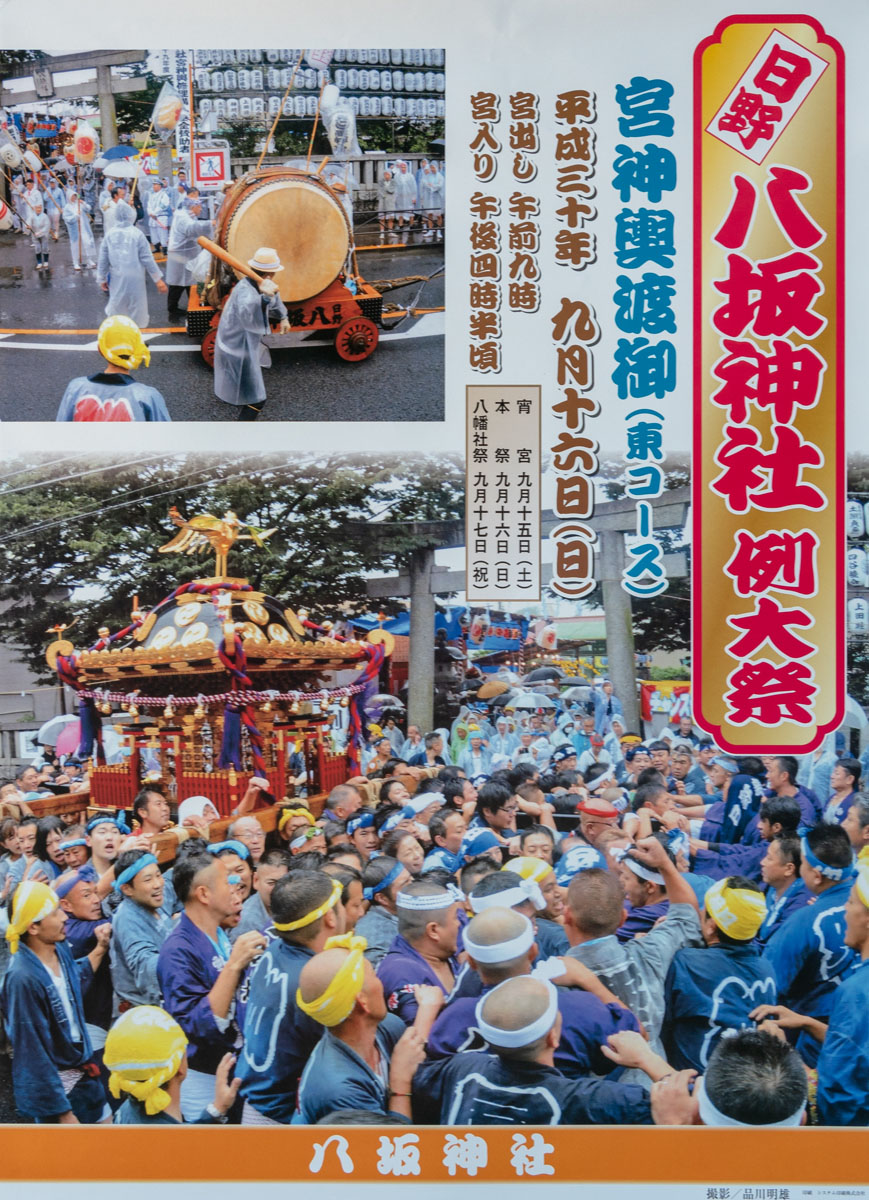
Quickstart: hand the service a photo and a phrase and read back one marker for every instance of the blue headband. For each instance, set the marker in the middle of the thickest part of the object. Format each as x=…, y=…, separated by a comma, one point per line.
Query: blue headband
x=834, y=873
x=130, y=872
x=119, y=823
x=363, y=822
x=478, y=842
x=85, y=874
x=403, y=814
x=370, y=892
x=236, y=847
x=70, y=844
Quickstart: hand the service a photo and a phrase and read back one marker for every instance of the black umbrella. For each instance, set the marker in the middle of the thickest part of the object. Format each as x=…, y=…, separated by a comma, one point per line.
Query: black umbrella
x=539, y=674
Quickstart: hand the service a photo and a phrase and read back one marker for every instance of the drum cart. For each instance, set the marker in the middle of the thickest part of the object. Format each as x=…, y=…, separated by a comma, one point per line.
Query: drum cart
x=353, y=322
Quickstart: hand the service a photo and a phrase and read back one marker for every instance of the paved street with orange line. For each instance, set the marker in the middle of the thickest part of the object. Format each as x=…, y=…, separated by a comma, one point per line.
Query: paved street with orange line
x=48, y=335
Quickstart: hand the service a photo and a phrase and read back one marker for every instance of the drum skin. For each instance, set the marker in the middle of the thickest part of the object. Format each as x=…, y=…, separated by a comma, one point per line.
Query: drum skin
x=295, y=214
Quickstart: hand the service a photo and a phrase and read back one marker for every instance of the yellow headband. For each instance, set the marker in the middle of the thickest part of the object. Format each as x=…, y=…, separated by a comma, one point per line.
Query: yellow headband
x=144, y=1050
x=737, y=912
x=534, y=869
x=861, y=883
x=336, y=1003
x=32, y=902
x=311, y=917
x=289, y=813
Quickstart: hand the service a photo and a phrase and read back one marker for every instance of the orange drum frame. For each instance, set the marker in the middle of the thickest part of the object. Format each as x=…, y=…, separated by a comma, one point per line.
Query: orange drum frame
x=353, y=318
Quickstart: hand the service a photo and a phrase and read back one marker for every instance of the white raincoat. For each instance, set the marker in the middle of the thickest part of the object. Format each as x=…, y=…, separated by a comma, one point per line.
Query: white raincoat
x=54, y=202
x=159, y=209
x=239, y=353
x=183, y=247
x=73, y=209
x=405, y=192
x=125, y=257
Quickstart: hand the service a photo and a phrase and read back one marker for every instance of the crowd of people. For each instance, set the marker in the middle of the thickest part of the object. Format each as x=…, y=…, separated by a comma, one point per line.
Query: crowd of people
x=519, y=920
x=405, y=198
x=137, y=220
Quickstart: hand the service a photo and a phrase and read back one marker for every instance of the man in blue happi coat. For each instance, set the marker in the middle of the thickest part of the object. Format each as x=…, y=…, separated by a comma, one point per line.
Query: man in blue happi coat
x=843, y=1063
x=278, y=1036
x=141, y=926
x=785, y=891
x=809, y=953
x=518, y=1083
x=501, y=945
x=715, y=988
x=424, y=950
x=54, y=1076
x=200, y=972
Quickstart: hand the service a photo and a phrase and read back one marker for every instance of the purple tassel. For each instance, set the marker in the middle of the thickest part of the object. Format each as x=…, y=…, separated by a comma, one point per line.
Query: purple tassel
x=230, y=749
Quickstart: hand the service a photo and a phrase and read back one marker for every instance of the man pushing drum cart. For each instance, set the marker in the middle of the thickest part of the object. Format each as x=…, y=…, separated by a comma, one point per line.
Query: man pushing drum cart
x=239, y=354
x=304, y=222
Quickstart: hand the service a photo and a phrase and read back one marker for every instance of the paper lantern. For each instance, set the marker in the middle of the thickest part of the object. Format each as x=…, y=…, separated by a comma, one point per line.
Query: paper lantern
x=857, y=567
x=85, y=143
x=854, y=519
x=858, y=616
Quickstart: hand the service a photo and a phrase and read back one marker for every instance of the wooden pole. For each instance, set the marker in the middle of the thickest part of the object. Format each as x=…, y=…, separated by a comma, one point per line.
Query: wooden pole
x=314, y=130
x=78, y=197
x=139, y=164
x=279, y=112
x=190, y=104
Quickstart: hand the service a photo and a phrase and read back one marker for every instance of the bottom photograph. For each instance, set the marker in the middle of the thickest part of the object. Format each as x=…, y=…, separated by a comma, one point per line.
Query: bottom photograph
x=291, y=834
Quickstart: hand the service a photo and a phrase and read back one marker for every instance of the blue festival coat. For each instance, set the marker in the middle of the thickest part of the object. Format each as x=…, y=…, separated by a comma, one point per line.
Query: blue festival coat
x=791, y=900
x=707, y=991
x=401, y=968
x=39, y=1031
x=336, y=1077
x=481, y=1089
x=586, y=1023
x=187, y=970
x=843, y=1066
x=278, y=1037
x=810, y=959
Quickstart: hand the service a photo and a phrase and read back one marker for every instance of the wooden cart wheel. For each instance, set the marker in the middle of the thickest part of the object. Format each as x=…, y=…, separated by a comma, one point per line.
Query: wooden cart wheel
x=208, y=346
x=356, y=339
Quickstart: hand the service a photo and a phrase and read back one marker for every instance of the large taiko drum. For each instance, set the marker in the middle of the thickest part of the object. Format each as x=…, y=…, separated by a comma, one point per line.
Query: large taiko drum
x=299, y=217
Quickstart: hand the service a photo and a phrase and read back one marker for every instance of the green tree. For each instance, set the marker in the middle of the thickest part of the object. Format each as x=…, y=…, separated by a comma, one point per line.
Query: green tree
x=89, y=530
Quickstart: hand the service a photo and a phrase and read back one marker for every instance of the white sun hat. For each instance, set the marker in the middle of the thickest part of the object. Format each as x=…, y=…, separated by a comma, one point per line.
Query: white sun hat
x=265, y=259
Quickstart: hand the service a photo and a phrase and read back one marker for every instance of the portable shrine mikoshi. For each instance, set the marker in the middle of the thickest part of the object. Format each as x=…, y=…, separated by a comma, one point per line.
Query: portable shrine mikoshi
x=303, y=218
x=220, y=682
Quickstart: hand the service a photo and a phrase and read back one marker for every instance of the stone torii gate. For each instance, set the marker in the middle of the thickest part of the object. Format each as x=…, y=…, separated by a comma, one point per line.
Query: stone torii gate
x=103, y=84
x=611, y=522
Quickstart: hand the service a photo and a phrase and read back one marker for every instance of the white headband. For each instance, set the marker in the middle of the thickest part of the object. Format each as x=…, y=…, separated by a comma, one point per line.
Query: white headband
x=523, y=892
x=710, y=1115
x=423, y=801
x=438, y=900
x=511, y=1039
x=502, y=952
x=621, y=856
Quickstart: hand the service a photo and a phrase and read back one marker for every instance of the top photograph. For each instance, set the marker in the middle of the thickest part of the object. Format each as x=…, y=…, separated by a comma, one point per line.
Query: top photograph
x=222, y=235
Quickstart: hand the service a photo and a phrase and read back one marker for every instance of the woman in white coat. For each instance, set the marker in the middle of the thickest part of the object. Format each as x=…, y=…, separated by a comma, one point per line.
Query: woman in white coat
x=125, y=259
x=81, y=238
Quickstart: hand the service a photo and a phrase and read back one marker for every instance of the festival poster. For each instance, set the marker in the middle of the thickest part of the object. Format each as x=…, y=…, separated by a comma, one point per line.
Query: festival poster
x=653, y=269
